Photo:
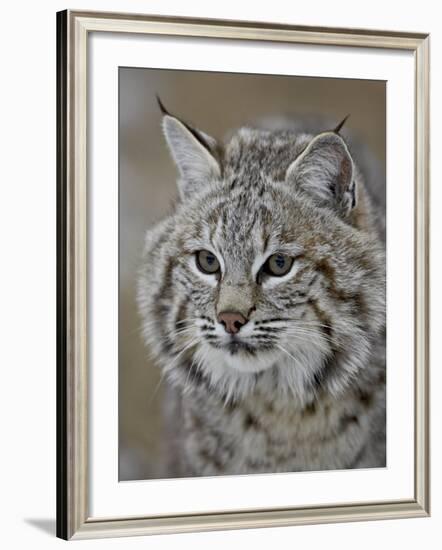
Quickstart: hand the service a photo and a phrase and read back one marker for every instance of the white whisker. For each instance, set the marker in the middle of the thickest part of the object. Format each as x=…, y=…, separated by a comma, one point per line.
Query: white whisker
x=190, y=344
x=157, y=387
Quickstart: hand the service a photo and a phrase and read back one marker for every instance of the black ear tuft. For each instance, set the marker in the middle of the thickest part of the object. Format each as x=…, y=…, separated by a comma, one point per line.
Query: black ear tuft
x=340, y=125
x=200, y=136
x=163, y=109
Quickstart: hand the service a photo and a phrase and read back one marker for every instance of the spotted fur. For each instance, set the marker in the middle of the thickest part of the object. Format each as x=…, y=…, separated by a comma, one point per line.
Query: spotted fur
x=302, y=385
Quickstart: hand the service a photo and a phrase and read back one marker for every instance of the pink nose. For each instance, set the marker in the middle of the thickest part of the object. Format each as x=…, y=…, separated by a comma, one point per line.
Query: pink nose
x=232, y=321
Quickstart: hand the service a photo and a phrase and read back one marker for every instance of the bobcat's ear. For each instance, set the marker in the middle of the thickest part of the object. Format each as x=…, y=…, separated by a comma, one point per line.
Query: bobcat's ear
x=194, y=153
x=325, y=170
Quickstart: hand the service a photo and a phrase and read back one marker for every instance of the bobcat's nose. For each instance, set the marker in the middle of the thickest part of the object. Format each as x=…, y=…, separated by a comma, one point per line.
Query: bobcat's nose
x=232, y=321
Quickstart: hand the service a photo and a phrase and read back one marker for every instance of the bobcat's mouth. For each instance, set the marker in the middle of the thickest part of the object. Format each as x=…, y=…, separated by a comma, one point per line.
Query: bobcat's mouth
x=236, y=346
x=239, y=347
x=233, y=347
x=248, y=344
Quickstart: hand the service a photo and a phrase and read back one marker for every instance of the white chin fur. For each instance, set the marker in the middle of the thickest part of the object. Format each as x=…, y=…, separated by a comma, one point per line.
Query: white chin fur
x=241, y=361
x=233, y=374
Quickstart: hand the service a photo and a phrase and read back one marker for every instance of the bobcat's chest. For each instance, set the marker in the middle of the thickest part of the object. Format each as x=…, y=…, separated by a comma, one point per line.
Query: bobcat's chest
x=259, y=435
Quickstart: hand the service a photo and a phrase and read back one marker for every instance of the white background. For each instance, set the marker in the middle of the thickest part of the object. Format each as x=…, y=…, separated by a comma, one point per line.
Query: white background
x=27, y=290
x=112, y=499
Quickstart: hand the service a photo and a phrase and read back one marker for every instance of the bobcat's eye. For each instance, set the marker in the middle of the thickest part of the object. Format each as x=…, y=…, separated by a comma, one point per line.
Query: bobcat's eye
x=278, y=265
x=207, y=262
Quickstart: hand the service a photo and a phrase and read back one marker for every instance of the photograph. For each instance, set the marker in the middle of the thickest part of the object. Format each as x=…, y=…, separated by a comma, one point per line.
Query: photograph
x=252, y=273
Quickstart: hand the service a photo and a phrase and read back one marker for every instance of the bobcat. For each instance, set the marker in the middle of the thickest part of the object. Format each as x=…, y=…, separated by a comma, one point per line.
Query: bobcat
x=262, y=298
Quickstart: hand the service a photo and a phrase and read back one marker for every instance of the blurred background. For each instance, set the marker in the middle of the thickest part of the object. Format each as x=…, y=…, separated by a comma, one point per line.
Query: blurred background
x=216, y=103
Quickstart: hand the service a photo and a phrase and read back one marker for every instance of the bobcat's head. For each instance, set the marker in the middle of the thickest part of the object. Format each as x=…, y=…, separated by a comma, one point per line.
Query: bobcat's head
x=267, y=273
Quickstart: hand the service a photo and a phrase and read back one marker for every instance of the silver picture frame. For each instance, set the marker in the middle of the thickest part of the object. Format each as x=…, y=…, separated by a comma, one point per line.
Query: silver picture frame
x=73, y=518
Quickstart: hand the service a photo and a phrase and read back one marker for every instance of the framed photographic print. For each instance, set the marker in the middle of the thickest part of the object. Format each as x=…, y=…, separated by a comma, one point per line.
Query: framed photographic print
x=242, y=275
